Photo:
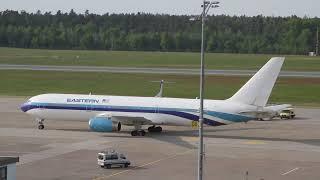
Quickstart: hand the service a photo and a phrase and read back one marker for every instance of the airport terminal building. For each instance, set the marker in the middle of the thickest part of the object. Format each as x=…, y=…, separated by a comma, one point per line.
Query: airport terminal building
x=8, y=168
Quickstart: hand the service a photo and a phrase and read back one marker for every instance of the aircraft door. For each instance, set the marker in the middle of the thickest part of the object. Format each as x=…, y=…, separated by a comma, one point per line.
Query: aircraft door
x=158, y=105
x=89, y=105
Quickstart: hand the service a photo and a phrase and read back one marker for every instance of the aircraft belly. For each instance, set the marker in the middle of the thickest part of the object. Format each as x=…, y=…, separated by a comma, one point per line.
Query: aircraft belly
x=60, y=114
x=172, y=120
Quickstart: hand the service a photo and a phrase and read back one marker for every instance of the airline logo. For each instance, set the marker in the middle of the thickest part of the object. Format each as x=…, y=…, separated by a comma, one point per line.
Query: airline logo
x=93, y=101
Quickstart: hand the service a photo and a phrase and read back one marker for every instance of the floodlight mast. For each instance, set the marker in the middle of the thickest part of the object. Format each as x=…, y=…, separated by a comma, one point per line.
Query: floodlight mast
x=205, y=9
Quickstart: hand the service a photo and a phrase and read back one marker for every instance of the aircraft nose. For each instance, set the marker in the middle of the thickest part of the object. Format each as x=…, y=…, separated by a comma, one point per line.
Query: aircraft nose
x=25, y=107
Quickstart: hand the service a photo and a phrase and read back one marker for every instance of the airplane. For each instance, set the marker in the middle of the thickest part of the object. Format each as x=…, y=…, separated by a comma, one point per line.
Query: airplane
x=274, y=110
x=106, y=113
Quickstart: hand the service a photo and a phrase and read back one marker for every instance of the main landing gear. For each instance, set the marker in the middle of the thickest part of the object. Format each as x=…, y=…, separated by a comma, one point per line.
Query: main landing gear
x=157, y=129
x=140, y=132
x=40, y=122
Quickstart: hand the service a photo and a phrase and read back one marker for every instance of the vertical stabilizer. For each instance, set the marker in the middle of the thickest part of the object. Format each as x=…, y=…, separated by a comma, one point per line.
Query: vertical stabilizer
x=258, y=89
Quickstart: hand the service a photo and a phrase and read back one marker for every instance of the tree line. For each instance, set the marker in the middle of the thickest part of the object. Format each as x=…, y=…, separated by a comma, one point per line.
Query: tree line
x=157, y=32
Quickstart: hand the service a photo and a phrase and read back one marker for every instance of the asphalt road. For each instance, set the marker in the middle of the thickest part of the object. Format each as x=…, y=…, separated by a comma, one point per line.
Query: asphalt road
x=305, y=74
x=279, y=149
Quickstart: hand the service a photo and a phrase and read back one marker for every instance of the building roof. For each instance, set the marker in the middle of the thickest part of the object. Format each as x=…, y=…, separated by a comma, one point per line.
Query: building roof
x=4, y=160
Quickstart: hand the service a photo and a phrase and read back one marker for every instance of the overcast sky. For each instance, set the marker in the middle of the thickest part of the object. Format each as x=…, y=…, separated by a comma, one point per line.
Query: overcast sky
x=310, y=8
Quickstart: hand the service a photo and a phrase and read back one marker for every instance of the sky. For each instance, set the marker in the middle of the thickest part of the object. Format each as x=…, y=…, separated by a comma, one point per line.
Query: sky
x=309, y=8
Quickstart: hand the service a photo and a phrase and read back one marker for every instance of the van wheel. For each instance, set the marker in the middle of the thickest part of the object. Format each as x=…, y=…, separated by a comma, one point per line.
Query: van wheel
x=108, y=166
x=126, y=165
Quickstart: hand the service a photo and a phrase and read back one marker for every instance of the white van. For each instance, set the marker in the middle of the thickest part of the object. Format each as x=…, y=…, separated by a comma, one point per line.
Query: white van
x=107, y=159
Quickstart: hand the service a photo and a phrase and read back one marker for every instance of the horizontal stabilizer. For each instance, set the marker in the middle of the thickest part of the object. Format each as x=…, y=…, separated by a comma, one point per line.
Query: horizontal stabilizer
x=278, y=108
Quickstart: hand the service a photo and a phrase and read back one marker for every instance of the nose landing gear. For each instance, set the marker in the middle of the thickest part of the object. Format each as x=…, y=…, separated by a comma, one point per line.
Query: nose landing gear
x=40, y=122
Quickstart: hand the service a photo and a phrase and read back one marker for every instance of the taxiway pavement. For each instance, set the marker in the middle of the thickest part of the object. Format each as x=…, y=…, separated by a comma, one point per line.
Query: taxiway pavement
x=279, y=149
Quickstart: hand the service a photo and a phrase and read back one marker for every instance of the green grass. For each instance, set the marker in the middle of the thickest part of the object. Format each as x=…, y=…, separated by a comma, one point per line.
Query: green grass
x=28, y=83
x=150, y=59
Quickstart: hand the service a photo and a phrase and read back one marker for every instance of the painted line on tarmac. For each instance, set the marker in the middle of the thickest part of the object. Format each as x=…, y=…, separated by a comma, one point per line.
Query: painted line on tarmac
x=292, y=170
x=254, y=142
x=143, y=165
x=191, y=139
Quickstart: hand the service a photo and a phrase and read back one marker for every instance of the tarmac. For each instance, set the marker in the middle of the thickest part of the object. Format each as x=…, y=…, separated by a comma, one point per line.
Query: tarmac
x=278, y=149
x=175, y=71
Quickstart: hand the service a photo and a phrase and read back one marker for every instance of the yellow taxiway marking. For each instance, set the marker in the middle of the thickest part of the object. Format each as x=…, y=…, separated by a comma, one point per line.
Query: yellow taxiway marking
x=192, y=139
x=143, y=165
x=254, y=142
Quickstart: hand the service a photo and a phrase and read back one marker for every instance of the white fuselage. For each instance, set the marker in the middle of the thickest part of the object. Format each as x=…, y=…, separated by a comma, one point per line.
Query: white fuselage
x=169, y=111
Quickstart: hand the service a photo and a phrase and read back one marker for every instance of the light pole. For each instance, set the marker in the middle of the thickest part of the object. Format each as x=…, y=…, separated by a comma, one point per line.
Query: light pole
x=205, y=9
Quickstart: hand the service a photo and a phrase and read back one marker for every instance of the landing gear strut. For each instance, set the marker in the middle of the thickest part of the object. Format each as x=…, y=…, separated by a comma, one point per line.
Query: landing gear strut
x=155, y=129
x=40, y=122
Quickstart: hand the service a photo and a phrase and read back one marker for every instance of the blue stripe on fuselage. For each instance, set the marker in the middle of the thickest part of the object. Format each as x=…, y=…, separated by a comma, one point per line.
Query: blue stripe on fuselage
x=170, y=111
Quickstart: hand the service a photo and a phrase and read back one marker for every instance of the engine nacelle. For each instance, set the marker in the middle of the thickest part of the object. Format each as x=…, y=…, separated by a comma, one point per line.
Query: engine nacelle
x=103, y=124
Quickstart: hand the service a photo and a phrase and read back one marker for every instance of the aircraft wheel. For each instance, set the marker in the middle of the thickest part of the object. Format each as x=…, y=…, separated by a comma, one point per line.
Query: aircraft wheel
x=138, y=133
x=142, y=132
x=158, y=129
x=134, y=133
x=155, y=129
x=151, y=128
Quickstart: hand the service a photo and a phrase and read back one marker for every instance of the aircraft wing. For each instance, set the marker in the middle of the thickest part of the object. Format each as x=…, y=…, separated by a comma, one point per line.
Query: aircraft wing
x=127, y=119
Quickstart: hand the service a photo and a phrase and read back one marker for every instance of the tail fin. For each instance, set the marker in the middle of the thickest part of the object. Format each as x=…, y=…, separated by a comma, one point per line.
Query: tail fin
x=258, y=89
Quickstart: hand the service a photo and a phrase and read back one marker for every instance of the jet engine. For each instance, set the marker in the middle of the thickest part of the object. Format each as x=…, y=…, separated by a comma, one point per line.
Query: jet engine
x=104, y=124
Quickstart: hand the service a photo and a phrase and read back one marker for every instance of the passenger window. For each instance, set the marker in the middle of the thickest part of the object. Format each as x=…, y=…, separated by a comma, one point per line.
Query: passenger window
x=114, y=157
x=108, y=157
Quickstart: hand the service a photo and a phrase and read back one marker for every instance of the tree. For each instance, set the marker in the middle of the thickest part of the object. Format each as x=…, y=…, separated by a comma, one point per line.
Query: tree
x=149, y=32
